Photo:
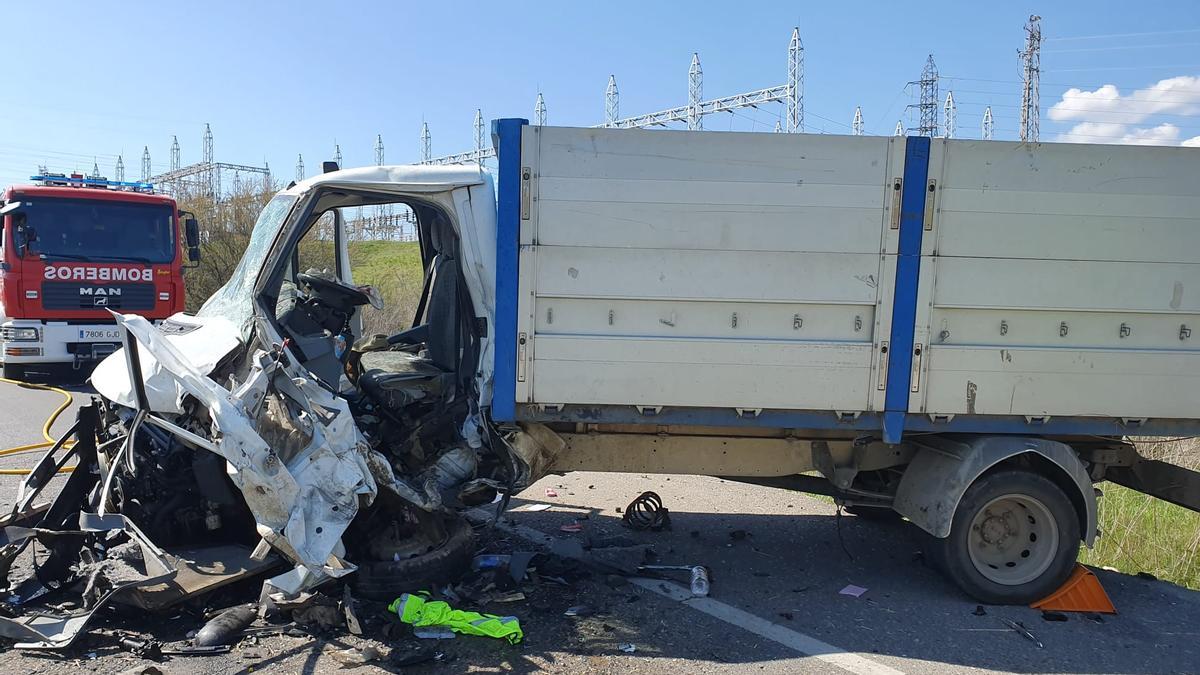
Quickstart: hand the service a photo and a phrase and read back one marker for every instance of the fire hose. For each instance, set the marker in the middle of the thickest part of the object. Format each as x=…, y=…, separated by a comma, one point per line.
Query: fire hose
x=68, y=399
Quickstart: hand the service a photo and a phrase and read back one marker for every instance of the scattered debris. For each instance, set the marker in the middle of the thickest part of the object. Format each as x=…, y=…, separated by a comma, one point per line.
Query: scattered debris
x=579, y=610
x=414, y=658
x=540, y=506
x=419, y=611
x=1054, y=616
x=646, y=512
x=979, y=611
x=489, y=561
x=226, y=627
x=853, y=591
x=147, y=669
x=1023, y=631
x=356, y=657
x=573, y=527
x=321, y=616
x=627, y=647
x=615, y=581
x=551, y=492
x=699, y=573
x=352, y=622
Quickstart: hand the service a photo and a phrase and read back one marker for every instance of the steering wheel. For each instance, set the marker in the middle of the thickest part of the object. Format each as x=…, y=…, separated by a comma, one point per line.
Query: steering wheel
x=334, y=293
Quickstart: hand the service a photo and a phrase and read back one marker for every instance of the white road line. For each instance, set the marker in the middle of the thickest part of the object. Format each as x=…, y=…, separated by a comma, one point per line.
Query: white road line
x=805, y=644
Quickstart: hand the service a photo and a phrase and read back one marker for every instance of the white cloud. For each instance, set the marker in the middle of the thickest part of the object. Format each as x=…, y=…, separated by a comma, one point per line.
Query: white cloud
x=1163, y=134
x=1094, y=132
x=1175, y=95
x=1193, y=142
x=1121, y=134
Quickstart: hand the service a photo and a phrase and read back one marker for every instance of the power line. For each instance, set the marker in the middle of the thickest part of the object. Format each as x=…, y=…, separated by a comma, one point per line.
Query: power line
x=1115, y=48
x=1121, y=35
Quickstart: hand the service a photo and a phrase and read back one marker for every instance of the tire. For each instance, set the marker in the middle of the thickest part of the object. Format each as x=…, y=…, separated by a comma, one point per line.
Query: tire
x=13, y=371
x=386, y=580
x=875, y=514
x=1013, y=540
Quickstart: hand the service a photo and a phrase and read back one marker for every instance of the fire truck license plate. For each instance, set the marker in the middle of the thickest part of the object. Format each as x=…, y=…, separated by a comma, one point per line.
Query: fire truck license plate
x=99, y=333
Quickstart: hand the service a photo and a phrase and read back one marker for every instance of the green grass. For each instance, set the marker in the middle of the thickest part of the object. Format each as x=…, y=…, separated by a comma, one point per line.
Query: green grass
x=1144, y=534
x=377, y=262
x=393, y=267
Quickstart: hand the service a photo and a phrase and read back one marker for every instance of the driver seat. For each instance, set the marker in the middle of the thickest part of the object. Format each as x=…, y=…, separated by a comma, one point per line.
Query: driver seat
x=396, y=379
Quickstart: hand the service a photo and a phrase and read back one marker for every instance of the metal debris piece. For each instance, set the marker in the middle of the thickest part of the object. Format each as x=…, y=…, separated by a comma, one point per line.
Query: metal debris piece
x=646, y=512
x=627, y=647
x=1020, y=628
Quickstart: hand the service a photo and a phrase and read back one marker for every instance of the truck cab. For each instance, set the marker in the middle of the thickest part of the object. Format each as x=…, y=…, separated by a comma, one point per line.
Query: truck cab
x=72, y=248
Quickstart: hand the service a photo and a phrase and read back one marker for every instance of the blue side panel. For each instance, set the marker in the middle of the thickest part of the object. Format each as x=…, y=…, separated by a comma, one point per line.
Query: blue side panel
x=506, y=138
x=908, y=270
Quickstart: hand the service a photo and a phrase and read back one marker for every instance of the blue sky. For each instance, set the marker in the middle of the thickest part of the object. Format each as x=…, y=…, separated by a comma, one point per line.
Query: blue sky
x=276, y=79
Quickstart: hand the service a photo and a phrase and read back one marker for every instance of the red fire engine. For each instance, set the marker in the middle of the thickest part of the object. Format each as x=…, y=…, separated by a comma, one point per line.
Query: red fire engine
x=74, y=247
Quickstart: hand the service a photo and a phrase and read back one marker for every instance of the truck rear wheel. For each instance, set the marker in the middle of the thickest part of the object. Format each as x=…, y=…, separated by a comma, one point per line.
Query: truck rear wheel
x=1013, y=540
x=13, y=371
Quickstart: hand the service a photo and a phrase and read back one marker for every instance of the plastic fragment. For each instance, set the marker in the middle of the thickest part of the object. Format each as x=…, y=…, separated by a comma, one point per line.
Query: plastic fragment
x=853, y=591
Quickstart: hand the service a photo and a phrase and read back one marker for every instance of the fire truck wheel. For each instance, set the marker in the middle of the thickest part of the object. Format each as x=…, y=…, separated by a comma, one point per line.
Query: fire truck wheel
x=13, y=371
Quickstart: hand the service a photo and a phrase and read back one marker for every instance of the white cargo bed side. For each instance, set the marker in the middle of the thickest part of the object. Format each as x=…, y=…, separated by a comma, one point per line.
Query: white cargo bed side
x=1063, y=280
x=693, y=269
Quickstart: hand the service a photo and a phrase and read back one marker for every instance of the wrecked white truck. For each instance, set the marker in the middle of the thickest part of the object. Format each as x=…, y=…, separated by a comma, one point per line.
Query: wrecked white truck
x=960, y=332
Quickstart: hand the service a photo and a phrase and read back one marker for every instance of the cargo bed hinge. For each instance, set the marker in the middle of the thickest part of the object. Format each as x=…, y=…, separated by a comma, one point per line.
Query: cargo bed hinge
x=897, y=192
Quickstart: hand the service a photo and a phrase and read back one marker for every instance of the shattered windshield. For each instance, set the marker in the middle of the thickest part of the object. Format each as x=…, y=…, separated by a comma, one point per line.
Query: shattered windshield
x=235, y=300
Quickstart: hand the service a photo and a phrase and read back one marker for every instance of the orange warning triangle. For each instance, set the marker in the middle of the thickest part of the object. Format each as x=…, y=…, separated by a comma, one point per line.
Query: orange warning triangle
x=1081, y=593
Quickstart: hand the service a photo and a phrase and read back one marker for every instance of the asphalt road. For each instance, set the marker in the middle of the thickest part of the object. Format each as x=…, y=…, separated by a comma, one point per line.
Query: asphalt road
x=775, y=605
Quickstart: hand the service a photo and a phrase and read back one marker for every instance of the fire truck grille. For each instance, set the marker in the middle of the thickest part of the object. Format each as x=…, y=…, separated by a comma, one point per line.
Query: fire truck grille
x=73, y=295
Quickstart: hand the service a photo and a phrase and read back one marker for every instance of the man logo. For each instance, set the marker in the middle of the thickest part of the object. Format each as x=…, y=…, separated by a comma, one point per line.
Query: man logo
x=99, y=290
x=100, y=301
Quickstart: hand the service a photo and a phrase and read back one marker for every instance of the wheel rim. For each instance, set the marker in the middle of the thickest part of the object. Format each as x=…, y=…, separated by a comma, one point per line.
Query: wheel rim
x=1013, y=539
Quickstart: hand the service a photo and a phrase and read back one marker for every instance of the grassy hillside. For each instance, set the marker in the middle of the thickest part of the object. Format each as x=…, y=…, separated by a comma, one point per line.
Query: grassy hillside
x=394, y=267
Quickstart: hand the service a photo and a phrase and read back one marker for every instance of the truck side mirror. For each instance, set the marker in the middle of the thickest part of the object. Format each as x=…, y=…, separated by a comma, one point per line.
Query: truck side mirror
x=191, y=232
x=193, y=254
x=25, y=235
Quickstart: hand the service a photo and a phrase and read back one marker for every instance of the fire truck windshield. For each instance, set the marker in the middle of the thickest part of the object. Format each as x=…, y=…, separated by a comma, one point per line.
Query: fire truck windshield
x=92, y=229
